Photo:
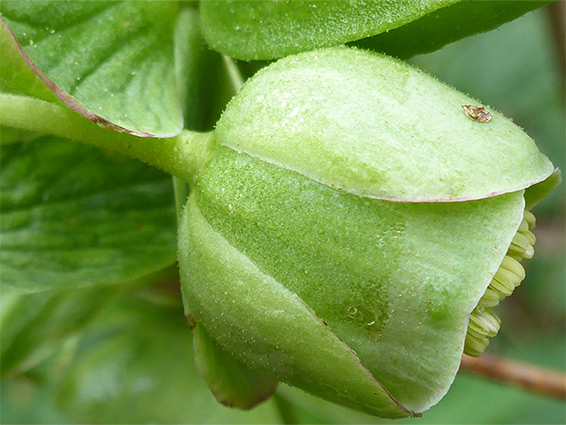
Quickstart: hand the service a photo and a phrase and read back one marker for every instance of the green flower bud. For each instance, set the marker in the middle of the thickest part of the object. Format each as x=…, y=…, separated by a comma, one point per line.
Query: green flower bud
x=351, y=229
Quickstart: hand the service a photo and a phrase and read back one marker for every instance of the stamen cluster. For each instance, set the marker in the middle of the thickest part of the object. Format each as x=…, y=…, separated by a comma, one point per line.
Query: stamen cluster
x=484, y=323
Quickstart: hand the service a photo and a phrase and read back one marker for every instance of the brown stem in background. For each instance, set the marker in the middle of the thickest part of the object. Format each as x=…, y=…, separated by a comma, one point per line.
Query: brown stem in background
x=541, y=381
x=557, y=15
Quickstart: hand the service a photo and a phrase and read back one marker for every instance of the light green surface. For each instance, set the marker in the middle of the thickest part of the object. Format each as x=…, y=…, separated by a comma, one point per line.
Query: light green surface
x=370, y=125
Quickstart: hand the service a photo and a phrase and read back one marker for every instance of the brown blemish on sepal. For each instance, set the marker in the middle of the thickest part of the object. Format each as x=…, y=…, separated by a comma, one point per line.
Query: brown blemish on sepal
x=191, y=321
x=477, y=113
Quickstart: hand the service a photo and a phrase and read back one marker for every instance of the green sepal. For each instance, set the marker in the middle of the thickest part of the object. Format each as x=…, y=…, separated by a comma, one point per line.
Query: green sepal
x=394, y=281
x=536, y=193
x=371, y=125
x=266, y=326
x=232, y=383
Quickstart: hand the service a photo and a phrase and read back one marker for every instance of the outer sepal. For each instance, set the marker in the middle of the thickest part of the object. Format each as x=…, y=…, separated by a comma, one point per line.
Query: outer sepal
x=386, y=130
x=266, y=326
x=394, y=281
x=232, y=383
x=536, y=193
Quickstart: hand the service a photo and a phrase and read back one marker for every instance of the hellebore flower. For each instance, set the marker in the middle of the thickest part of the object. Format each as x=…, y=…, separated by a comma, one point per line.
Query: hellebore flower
x=351, y=228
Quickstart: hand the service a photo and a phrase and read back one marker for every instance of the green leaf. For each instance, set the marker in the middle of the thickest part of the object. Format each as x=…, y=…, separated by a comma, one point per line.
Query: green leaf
x=112, y=62
x=357, y=106
x=138, y=367
x=448, y=24
x=258, y=30
x=16, y=75
x=253, y=30
x=73, y=216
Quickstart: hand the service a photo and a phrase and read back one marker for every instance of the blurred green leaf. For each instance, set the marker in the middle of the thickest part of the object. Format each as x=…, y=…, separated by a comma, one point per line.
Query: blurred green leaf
x=41, y=327
x=23, y=402
x=73, y=217
x=111, y=61
x=545, y=289
x=475, y=399
x=34, y=326
x=137, y=367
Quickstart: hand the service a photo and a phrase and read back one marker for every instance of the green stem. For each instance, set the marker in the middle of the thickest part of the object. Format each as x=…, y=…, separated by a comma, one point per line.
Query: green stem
x=234, y=73
x=181, y=156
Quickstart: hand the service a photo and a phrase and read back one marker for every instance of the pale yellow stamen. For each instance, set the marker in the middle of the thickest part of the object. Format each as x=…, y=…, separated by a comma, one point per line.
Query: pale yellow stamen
x=530, y=218
x=484, y=323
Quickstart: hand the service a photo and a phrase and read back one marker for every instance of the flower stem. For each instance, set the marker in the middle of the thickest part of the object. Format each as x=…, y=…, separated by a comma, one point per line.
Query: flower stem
x=234, y=73
x=181, y=156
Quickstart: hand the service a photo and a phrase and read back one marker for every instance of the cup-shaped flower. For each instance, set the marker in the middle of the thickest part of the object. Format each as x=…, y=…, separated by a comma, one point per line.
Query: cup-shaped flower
x=346, y=225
